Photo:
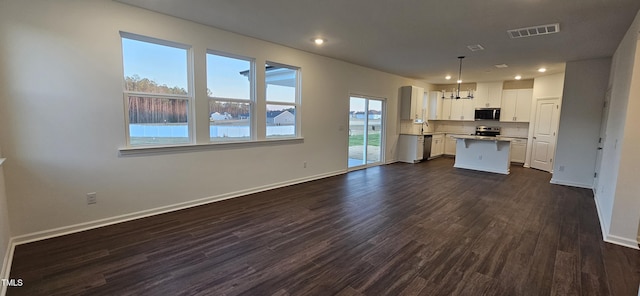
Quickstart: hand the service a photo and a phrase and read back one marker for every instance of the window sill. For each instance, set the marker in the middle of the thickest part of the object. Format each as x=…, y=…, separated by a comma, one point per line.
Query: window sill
x=148, y=150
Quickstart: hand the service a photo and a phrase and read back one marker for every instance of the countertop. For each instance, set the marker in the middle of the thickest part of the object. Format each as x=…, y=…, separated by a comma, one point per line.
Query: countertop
x=511, y=137
x=424, y=134
x=481, y=138
x=467, y=136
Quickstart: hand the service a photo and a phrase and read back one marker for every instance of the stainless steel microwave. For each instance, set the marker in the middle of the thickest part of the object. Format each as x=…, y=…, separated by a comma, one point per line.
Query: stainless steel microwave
x=487, y=114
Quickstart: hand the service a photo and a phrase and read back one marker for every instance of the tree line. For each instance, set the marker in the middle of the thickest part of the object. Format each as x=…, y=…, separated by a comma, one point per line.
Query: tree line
x=155, y=110
x=160, y=110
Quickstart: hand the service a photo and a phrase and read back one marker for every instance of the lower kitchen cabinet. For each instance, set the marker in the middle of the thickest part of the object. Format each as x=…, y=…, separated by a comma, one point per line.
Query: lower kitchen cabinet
x=411, y=148
x=437, y=145
x=449, y=145
x=518, y=150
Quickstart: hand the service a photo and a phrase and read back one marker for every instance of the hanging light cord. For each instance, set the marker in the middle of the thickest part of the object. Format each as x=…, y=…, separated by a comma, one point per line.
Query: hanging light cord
x=459, y=77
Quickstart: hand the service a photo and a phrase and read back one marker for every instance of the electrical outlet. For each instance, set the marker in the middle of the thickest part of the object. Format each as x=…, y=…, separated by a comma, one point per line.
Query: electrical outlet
x=561, y=168
x=92, y=198
x=304, y=164
x=480, y=157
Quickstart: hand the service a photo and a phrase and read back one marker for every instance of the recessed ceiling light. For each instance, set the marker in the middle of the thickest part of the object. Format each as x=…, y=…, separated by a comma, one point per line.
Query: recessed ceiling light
x=542, y=70
x=501, y=66
x=447, y=77
x=518, y=77
x=319, y=41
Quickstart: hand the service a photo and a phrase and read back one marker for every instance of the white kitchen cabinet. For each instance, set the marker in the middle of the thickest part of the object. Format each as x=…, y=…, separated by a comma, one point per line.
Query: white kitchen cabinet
x=518, y=150
x=508, y=106
x=411, y=103
x=456, y=109
x=410, y=148
x=462, y=109
x=440, y=105
x=437, y=145
x=488, y=95
x=468, y=110
x=449, y=145
x=450, y=109
x=446, y=108
x=516, y=105
x=435, y=105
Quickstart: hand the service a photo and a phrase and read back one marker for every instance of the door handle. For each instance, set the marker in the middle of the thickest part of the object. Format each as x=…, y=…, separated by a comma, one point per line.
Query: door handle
x=599, y=148
x=534, y=138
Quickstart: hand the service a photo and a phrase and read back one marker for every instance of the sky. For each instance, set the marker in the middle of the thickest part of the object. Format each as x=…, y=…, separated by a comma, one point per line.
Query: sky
x=357, y=104
x=162, y=64
x=168, y=65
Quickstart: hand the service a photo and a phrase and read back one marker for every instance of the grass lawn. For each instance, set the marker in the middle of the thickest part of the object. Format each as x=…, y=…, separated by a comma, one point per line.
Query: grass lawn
x=159, y=141
x=358, y=140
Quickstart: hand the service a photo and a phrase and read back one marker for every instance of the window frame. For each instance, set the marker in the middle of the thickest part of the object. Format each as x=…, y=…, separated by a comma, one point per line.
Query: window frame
x=297, y=104
x=251, y=100
x=189, y=97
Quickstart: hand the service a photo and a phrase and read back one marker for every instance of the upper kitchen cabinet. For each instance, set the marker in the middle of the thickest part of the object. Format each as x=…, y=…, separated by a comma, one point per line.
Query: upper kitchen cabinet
x=443, y=107
x=462, y=109
x=411, y=103
x=488, y=95
x=516, y=105
x=435, y=105
x=446, y=107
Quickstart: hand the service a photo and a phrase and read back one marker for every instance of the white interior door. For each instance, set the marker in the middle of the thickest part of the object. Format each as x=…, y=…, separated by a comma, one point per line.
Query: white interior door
x=603, y=136
x=544, y=134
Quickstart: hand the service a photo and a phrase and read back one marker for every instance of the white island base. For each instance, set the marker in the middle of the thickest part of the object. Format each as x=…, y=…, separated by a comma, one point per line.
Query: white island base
x=486, y=154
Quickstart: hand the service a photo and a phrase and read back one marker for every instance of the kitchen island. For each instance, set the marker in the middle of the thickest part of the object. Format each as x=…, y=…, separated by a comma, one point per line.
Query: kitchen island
x=489, y=154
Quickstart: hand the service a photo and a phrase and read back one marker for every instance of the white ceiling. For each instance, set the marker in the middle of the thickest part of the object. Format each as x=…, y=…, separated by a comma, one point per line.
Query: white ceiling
x=420, y=38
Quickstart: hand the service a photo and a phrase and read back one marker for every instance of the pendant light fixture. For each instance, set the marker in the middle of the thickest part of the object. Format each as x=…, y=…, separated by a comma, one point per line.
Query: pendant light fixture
x=455, y=94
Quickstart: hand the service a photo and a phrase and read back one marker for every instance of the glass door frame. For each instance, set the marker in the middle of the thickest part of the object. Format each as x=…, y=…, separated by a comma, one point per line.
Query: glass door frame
x=383, y=128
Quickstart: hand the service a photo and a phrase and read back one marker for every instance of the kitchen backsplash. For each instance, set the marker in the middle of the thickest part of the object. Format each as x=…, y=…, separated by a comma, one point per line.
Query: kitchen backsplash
x=514, y=129
x=408, y=127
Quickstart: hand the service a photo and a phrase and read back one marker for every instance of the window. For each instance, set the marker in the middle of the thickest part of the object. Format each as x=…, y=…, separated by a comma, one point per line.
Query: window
x=157, y=92
x=282, y=100
x=230, y=92
x=160, y=98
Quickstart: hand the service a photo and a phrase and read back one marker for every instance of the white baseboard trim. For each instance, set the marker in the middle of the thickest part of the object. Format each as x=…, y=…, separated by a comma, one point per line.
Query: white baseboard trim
x=6, y=265
x=50, y=233
x=604, y=227
x=610, y=238
x=570, y=183
x=622, y=241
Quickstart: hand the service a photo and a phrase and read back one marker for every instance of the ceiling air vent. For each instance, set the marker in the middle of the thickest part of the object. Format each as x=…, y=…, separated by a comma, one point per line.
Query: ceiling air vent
x=534, y=31
x=475, y=47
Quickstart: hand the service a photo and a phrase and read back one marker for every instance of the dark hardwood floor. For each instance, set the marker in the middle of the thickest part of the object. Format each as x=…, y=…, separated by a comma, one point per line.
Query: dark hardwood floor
x=400, y=229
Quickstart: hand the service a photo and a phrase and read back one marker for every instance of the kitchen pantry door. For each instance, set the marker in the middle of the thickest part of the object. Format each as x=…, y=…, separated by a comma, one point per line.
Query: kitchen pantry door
x=544, y=134
x=366, y=132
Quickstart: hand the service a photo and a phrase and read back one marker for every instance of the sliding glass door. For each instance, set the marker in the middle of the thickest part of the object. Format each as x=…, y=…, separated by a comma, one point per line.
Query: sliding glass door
x=366, y=126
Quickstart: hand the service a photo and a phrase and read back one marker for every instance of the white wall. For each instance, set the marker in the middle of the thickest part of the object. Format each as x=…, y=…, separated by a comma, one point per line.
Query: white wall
x=585, y=85
x=548, y=86
x=5, y=231
x=62, y=116
x=617, y=192
x=626, y=212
